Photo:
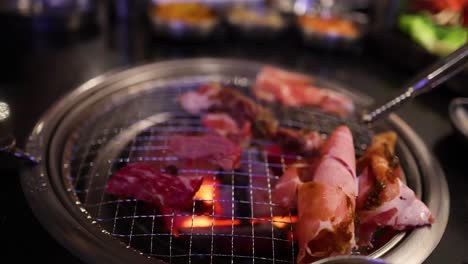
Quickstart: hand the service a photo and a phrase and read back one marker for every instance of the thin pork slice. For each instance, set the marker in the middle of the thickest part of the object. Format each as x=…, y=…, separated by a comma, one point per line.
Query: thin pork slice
x=384, y=200
x=326, y=205
x=292, y=89
x=224, y=125
x=325, y=225
x=200, y=100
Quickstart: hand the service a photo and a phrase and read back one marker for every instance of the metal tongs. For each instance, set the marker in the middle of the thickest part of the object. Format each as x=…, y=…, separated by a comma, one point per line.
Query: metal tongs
x=428, y=79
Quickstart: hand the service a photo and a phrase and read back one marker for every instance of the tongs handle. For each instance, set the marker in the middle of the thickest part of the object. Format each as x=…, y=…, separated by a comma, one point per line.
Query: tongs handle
x=10, y=150
x=8, y=141
x=428, y=79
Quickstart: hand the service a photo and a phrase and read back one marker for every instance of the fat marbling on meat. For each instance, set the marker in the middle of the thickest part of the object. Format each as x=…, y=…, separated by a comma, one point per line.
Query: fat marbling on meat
x=224, y=125
x=384, y=199
x=145, y=183
x=206, y=148
x=324, y=191
x=293, y=89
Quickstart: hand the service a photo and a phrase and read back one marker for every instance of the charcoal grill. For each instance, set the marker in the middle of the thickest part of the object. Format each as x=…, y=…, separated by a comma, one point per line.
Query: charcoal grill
x=127, y=116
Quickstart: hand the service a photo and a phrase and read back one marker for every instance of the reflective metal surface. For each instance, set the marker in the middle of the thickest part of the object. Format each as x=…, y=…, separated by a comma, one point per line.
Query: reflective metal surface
x=51, y=187
x=350, y=260
x=432, y=77
x=458, y=111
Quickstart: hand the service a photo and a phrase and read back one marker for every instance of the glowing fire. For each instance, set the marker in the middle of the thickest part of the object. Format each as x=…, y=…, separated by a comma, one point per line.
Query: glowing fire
x=208, y=210
x=209, y=193
x=208, y=196
x=277, y=221
x=282, y=221
x=207, y=221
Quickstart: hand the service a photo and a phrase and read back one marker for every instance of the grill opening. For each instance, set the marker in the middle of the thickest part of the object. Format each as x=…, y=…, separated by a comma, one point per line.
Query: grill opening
x=232, y=218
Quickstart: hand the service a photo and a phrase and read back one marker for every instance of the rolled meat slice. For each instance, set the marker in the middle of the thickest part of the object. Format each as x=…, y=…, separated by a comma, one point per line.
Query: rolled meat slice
x=384, y=200
x=326, y=204
x=338, y=163
x=284, y=193
x=325, y=225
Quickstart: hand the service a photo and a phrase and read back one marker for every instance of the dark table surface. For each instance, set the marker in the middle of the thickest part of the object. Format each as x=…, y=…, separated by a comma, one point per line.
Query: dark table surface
x=37, y=71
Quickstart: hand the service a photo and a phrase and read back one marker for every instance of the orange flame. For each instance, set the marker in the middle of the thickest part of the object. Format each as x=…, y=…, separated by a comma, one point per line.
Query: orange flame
x=282, y=221
x=277, y=221
x=207, y=221
x=207, y=193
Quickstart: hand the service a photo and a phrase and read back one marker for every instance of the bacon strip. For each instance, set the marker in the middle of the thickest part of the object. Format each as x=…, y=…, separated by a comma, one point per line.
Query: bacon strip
x=292, y=89
x=384, y=200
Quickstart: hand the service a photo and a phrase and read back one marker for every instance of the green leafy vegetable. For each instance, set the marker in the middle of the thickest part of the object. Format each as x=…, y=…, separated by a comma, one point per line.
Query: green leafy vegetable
x=439, y=40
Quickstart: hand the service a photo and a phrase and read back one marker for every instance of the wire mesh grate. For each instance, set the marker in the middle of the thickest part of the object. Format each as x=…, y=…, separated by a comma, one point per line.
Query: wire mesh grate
x=237, y=222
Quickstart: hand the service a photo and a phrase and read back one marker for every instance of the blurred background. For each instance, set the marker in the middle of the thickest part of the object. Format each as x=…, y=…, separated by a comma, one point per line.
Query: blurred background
x=49, y=47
